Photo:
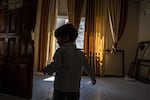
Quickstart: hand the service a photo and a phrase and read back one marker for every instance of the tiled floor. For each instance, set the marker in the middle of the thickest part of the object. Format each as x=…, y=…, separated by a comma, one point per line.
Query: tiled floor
x=107, y=88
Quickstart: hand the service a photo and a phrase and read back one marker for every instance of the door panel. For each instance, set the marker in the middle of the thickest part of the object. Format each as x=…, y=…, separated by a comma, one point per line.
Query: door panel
x=16, y=49
x=2, y=20
x=2, y=46
x=2, y=58
x=12, y=23
x=25, y=61
x=11, y=49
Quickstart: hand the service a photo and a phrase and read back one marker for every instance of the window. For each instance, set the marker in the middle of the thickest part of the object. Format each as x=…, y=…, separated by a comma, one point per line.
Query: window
x=61, y=20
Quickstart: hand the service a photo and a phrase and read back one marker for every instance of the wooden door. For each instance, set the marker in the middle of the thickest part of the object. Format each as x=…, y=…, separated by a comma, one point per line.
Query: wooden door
x=16, y=48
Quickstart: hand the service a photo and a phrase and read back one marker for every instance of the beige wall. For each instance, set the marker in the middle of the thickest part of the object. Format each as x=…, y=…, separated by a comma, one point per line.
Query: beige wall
x=144, y=21
x=129, y=39
x=62, y=8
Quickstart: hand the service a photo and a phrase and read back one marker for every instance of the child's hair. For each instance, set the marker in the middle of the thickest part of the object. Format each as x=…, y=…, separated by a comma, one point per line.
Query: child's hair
x=67, y=30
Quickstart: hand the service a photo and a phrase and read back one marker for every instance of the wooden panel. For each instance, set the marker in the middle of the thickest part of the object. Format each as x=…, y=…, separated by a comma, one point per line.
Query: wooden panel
x=11, y=49
x=22, y=48
x=2, y=54
x=9, y=71
x=2, y=20
x=16, y=48
x=2, y=60
x=2, y=45
x=25, y=53
x=12, y=21
x=13, y=4
x=25, y=61
x=28, y=21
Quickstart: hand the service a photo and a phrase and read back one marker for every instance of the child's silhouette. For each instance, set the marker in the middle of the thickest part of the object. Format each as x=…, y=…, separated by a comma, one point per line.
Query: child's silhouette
x=68, y=63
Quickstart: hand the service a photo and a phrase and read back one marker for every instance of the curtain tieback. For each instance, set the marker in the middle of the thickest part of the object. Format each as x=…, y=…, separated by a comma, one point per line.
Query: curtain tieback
x=114, y=48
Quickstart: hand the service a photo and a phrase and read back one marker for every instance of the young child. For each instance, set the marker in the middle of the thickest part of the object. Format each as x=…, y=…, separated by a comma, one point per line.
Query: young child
x=68, y=63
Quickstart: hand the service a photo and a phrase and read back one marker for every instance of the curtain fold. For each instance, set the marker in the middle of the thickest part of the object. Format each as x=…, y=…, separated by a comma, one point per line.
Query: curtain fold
x=47, y=26
x=117, y=13
x=53, y=13
x=94, y=38
x=43, y=35
x=74, y=11
x=36, y=37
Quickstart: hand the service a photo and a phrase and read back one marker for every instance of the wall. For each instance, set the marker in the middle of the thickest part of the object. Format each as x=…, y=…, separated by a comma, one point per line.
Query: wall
x=129, y=39
x=62, y=8
x=144, y=21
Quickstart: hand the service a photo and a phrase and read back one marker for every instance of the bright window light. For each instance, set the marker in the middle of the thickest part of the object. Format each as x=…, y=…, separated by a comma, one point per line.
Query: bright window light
x=61, y=20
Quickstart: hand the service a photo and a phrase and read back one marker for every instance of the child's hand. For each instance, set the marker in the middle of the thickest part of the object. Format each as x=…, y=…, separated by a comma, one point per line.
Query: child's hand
x=93, y=82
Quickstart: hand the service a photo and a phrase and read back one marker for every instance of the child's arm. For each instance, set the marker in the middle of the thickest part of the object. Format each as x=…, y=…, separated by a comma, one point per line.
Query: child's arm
x=89, y=70
x=56, y=64
x=49, y=69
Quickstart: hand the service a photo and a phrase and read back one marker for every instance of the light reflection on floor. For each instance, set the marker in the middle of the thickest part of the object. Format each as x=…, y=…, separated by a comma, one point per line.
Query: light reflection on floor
x=51, y=79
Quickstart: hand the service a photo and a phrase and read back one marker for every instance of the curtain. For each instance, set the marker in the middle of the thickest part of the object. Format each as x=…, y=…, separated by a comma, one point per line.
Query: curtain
x=74, y=11
x=44, y=38
x=36, y=37
x=117, y=12
x=43, y=35
x=94, y=38
x=53, y=12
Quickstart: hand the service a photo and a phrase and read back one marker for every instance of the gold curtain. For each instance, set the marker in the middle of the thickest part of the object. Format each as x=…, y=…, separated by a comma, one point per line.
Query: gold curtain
x=117, y=13
x=44, y=38
x=43, y=35
x=94, y=39
x=53, y=12
x=74, y=11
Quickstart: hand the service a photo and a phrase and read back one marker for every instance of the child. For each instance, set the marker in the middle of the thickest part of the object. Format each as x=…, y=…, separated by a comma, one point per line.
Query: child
x=68, y=63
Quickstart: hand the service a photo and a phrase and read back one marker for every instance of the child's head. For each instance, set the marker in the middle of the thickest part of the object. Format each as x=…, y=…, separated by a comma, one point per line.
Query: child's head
x=66, y=33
